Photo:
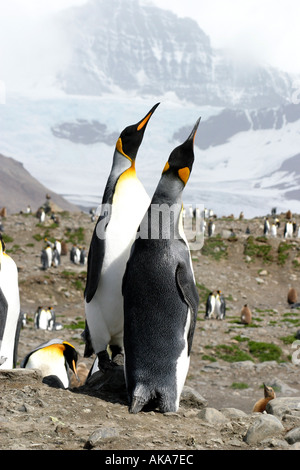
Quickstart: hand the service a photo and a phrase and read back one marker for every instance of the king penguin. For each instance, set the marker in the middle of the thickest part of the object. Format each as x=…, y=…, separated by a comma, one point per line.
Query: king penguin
x=124, y=203
x=54, y=359
x=210, y=305
x=10, y=315
x=220, y=307
x=160, y=295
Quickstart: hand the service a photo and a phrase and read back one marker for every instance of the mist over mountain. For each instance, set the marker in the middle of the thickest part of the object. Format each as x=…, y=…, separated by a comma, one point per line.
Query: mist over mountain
x=132, y=46
x=125, y=56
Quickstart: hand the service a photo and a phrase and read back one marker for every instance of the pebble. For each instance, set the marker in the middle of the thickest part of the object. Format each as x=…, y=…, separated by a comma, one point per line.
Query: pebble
x=293, y=436
x=282, y=405
x=99, y=435
x=212, y=415
x=264, y=426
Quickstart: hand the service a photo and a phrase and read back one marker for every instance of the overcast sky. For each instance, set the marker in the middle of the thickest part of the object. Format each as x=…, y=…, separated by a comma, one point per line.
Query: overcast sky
x=266, y=30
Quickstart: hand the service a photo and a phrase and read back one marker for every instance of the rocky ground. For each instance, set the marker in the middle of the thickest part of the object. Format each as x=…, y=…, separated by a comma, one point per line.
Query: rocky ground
x=229, y=362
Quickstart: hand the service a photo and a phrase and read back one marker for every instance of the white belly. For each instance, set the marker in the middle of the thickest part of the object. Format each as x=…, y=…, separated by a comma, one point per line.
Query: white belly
x=40, y=360
x=10, y=289
x=183, y=362
x=105, y=311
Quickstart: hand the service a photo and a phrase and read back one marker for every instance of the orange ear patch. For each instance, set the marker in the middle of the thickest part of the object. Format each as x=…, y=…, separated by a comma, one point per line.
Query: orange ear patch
x=119, y=147
x=184, y=174
x=167, y=166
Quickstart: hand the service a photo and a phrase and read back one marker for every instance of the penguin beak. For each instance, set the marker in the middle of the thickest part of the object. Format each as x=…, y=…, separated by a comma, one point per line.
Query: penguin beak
x=75, y=370
x=194, y=131
x=143, y=122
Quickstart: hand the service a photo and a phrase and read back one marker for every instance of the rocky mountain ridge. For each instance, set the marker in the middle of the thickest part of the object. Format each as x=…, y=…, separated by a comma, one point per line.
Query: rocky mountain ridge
x=139, y=48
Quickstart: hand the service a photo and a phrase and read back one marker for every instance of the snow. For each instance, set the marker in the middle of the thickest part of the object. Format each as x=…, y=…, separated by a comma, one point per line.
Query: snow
x=224, y=178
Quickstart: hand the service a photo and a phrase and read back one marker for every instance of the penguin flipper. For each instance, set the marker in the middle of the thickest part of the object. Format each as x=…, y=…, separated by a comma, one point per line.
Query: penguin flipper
x=17, y=337
x=94, y=266
x=190, y=294
x=3, y=313
x=88, y=350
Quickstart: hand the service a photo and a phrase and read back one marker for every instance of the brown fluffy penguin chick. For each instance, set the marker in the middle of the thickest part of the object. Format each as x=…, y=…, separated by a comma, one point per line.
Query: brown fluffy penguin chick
x=82, y=373
x=246, y=315
x=292, y=296
x=261, y=404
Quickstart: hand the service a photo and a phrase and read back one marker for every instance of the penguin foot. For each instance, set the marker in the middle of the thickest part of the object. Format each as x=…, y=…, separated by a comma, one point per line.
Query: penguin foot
x=136, y=404
x=104, y=362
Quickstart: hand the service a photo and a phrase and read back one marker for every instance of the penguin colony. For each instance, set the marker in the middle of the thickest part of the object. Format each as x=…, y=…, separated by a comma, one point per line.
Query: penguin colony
x=140, y=297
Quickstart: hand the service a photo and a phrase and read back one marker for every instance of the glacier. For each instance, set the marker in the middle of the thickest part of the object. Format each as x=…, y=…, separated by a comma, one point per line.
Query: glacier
x=240, y=175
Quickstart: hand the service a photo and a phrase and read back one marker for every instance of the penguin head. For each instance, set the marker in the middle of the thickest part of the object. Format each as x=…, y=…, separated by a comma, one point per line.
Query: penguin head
x=181, y=159
x=131, y=137
x=269, y=392
x=71, y=356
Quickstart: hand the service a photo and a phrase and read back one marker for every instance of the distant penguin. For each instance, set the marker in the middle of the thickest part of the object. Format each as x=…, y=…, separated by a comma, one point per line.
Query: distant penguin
x=44, y=318
x=55, y=257
x=273, y=230
x=261, y=404
x=42, y=216
x=54, y=359
x=292, y=296
x=266, y=226
x=124, y=203
x=46, y=257
x=10, y=315
x=211, y=228
x=288, y=230
x=160, y=295
x=220, y=306
x=83, y=256
x=210, y=305
x=246, y=315
x=75, y=254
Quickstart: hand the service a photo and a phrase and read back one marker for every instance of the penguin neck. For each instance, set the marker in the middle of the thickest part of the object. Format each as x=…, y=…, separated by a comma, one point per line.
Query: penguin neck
x=163, y=219
x=120, y=165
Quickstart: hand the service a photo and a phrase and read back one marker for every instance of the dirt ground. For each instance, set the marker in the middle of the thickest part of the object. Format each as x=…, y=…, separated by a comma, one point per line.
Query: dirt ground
x=36, y=416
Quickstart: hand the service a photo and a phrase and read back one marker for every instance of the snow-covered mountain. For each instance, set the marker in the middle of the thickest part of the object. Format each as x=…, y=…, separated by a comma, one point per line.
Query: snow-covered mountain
x=128, y=55
x=132, y=46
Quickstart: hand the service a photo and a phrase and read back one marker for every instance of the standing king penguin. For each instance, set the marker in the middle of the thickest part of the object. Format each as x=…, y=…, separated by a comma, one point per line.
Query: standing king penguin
x=160, y=295
x=124, y=204
x=10, y=323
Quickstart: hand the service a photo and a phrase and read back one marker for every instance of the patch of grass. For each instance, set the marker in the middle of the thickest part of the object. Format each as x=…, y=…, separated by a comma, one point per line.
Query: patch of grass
x=293, y=321
x=265, y=351
x=240, y=338
x=206, y=357
x=239, y=385
x=78, y=280
x=13, y=249
x=232, y=353
x=288, y=339
x=283, y=253
x=261, y=250
x=7, y=238
x=80, y=324
x=76, y=237
x=215, y=248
